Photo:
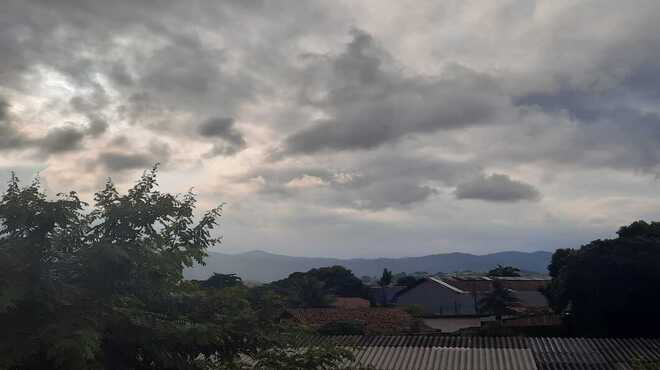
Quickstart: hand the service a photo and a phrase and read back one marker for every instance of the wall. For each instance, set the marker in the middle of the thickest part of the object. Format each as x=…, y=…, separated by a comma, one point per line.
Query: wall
x=436, y=299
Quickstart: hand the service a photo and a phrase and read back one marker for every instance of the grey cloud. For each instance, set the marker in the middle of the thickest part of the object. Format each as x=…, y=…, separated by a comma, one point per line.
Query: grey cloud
x=10, y=137
x=120, y=75
x=222, y=128
x=97, y=127
x=116, y=161
x=171, y=64
x=61, y=139
x=371, y=101
x=216, y=127
x=91, y=107
x=622, y=139
x=497, y=188
x=56, y=140
x=121, y=161
x=392, y=194
x=383, y=181
x=130, y=159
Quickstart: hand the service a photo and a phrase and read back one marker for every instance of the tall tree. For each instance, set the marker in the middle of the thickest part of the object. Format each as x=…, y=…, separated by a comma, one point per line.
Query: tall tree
x=610, y=285
x=498, y=301
x=385, y=281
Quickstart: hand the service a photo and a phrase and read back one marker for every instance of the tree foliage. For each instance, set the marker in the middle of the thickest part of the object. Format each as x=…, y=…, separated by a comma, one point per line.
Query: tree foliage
x=221, y=281
x=385, y=281
x=610, y=287
x=101, y=286
x=504, y=271
x=385, y=278
x=317, y=287
x=498, y=301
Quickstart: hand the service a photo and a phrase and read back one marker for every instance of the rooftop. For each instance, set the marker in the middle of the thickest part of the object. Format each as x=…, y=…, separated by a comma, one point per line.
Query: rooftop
x=495, y=353
x=378, y=320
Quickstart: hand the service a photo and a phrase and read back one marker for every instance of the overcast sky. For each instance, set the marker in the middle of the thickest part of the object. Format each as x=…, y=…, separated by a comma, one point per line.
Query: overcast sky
x=347, y=128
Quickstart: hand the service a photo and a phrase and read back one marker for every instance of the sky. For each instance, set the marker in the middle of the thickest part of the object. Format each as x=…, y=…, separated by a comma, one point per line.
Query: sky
x=347, y=128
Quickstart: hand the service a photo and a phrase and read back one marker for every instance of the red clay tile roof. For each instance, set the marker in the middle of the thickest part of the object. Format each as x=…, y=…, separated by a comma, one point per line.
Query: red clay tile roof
x=378, y=320
x=350, y=303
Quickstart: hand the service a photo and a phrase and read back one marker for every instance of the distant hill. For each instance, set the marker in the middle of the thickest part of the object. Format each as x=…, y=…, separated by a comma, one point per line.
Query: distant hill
x=264, y=267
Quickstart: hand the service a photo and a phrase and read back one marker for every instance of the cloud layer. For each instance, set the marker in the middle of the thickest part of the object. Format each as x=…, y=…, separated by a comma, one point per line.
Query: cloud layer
x=344, y=128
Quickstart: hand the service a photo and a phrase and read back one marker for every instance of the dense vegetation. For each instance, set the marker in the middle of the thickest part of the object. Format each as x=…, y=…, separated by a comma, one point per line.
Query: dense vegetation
x=318, y=287
x=610, y=287
x=498, y=302
x=101, y=287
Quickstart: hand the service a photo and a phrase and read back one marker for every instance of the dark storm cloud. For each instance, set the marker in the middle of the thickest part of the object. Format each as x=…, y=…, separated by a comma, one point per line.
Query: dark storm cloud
x=371, y=101
x=497, y=188
x=222, y=128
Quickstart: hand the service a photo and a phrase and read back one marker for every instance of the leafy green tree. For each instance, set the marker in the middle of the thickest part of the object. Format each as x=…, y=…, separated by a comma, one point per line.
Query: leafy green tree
x=316, y=287
x=504, y=271
x=385, y=281
x=101, y=286
x=340, y=281
x=78, y=283
x=498, y=301
x=610, y=285
x=220, y=281
x=311, y=292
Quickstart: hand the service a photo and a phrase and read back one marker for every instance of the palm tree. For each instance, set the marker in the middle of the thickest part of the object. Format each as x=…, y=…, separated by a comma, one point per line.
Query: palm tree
x=385, y=280
x=499, y=301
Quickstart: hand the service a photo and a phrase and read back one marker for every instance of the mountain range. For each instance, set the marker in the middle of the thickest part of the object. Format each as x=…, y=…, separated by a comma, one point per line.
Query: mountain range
x=262, y=266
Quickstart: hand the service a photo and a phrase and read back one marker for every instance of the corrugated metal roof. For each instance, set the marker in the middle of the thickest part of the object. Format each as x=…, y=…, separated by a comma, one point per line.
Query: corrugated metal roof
x=430, y=358
x=494, y=353
x=446, y=285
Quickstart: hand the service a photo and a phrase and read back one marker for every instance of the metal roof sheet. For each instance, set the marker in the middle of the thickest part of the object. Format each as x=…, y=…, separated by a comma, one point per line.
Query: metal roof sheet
x=446, y=285
x=429, y=358
x=495, y=353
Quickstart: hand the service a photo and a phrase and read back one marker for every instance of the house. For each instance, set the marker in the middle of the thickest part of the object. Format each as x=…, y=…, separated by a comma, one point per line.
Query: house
x=459, y=296
x=437, y=297
x=482, y=283
x=376, y=320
